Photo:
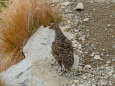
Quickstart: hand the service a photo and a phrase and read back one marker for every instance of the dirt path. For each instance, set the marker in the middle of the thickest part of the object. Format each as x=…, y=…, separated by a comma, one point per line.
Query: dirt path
x=99, y=32
x=97, y=25
x=95, y=30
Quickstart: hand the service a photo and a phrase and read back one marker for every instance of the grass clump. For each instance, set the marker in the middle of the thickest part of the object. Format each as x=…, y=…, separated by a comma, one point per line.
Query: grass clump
x=19, y=20
x=1, y=83
x=3, y=4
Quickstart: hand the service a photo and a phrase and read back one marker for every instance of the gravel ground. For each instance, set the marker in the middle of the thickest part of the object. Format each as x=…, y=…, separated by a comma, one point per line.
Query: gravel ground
x=95, y=30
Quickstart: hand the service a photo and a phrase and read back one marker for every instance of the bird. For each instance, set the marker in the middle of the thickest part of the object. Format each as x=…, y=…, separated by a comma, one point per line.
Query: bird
x=62, y=49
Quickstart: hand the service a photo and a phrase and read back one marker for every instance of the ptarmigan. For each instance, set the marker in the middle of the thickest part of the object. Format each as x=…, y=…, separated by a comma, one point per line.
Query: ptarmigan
x=62, y=49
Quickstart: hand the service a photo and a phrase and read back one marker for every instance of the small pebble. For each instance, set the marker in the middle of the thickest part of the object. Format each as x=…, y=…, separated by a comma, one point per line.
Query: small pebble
x=93, y=9
x=75, y=45
x=85, y=52
x=79, y=6
x=76, y=81
x=108, y=62
x=108, y=25
x=113, y=60
x=93, y=85
x=84, y=77
x=66, y=3
x=87, y=30
x=86, y=19
x=104, y=50
x=73, y=85
x=87, y=67
x=97, y=57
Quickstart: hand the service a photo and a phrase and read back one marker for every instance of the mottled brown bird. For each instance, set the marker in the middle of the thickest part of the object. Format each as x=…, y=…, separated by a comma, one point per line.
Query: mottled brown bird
x=62, y=49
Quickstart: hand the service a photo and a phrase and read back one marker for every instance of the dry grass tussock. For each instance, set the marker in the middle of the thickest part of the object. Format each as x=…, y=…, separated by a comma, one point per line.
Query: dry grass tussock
x=19, y=21
x=1, y=83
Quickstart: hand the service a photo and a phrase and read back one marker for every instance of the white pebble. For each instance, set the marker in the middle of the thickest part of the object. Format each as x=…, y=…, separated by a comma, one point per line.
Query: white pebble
x=80, y=6
x=93, y=85
x=73, y=85
x=74, y=42
x=76, y=81
x=86, y=19
x=84, y=77
x=75, y=45
x=66, y=3
x=108, y=25
x=97, y=57
x=87, y=66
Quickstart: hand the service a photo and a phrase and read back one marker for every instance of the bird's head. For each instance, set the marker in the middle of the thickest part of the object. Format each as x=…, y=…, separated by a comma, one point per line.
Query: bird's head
x=54, y=27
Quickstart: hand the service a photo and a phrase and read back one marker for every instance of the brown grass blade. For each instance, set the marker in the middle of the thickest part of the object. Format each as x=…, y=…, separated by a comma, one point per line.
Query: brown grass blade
x=19, y=21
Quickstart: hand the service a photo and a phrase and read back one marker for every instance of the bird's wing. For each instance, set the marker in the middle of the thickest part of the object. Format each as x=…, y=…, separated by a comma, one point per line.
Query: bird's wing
x=68, y=45
x=59, y=46
x=56, y=48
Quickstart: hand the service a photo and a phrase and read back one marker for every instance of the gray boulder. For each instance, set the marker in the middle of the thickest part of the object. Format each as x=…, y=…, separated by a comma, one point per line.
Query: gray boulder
x=36, y=69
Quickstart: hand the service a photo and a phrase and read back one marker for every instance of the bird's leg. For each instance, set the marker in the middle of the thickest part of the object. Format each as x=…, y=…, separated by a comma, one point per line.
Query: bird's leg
x=63, y=70
x=60, y=68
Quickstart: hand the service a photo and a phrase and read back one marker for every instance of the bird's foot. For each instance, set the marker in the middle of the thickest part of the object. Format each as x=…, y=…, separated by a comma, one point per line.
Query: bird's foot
x=62, y=71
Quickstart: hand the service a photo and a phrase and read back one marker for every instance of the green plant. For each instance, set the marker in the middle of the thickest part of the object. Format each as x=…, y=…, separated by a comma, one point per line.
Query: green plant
x=3, y=3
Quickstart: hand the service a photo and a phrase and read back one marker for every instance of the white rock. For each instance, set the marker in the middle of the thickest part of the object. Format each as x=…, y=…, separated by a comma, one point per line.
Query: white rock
x=36, y=69
x=80, y=68
x=41, y=41
x=93, y=9
x=85, y=52
x=76, y=81
x=77, y=45
x=79, y=6
x=86, y=19
x=66, y=3
x=97, y=57
x=108, y=25
x=76, y=30
x=69, y=21
x=73, y=84
x=108, y=62
x=87, y=66
x=84, y=77
x=93, y=85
